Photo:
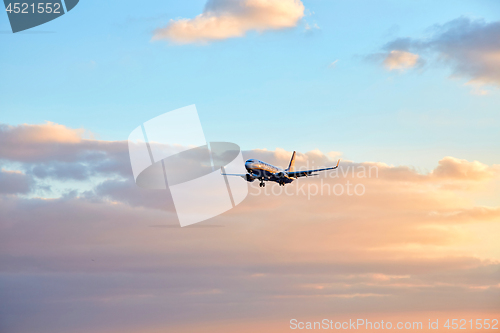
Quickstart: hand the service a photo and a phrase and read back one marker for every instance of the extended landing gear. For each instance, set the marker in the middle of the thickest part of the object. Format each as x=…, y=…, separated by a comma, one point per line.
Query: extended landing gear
x=282, y=183
x=262, y=184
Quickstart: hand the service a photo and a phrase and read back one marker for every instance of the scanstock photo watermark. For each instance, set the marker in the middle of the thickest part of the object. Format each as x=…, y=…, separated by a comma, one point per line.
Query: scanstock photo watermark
x=366, y=324
x=170, y=152
x=347, y=180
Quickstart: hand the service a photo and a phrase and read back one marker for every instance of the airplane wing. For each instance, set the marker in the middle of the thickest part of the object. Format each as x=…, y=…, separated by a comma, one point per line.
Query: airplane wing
x=242, y=175
x=306, y=173
x=234, y=174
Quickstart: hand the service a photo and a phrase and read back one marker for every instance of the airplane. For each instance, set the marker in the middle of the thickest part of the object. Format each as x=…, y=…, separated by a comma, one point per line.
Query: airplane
x=266, y=172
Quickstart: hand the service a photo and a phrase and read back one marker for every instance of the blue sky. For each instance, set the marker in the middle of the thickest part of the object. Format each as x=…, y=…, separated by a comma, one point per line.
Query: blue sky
x=98, y=68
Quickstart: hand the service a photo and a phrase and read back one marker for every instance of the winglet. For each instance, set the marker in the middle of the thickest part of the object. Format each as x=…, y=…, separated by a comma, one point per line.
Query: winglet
x=338, y=163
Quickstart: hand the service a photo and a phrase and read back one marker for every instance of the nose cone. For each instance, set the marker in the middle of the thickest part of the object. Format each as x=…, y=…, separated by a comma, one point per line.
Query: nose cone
x=248, y=164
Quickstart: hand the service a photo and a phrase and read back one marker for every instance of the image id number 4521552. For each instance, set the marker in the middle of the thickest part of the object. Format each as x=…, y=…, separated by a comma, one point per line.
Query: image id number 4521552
x=25, y=8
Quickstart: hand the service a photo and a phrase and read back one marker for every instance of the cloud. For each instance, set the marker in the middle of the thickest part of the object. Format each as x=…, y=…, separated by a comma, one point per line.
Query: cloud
x=222, y=19
x=333, y=64
x=55, y=151
x=127, y=192
x=471, y=48
x=400, y=60
x=449, y=170
x=309, y=28
x=450, y=167
x=470, y=215
x=44, y=133
x=113, y=258
x=15, y=182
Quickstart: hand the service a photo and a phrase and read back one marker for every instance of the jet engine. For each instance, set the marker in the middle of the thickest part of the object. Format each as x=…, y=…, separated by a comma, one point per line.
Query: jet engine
x=249, y=178
x=280, y=175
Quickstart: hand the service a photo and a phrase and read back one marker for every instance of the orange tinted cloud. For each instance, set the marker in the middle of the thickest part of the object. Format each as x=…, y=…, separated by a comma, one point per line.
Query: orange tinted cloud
x=51, y=142
x=450, y=167
x=228, y=19
x=397, y=59
x=45, y=133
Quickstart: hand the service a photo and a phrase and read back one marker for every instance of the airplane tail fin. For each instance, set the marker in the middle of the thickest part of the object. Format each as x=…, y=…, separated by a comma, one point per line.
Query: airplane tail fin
x=291, y=166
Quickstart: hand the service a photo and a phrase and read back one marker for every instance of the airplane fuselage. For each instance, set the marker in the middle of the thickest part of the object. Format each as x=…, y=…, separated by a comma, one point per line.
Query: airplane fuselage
x=265, y=171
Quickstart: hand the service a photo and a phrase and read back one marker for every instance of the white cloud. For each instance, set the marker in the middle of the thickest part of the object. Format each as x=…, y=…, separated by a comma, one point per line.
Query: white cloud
x=333, y=64
x=309, y=27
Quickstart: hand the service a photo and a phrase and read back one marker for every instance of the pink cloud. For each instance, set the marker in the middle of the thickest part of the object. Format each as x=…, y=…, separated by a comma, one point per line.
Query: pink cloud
x=113, y=258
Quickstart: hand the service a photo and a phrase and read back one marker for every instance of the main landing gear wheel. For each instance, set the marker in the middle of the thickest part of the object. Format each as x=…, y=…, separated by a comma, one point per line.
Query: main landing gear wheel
x=262, y=184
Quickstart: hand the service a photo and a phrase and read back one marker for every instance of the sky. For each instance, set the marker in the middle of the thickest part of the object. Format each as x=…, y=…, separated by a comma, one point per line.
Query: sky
x=104, y=71
x=409, y=88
